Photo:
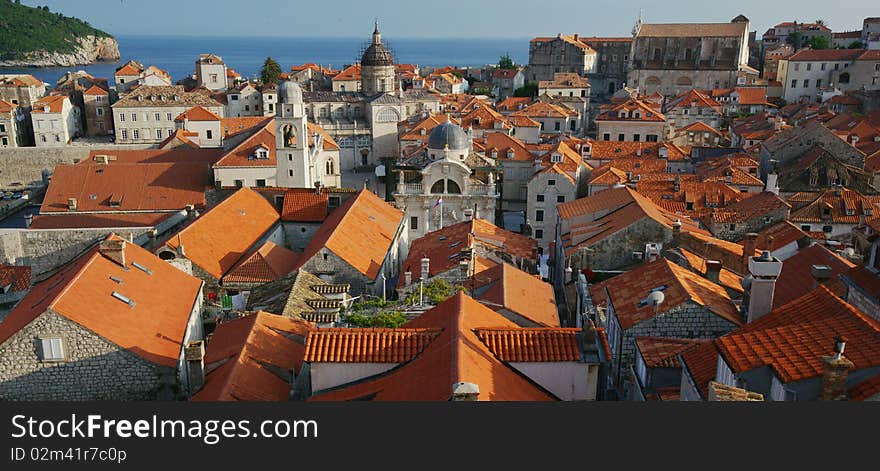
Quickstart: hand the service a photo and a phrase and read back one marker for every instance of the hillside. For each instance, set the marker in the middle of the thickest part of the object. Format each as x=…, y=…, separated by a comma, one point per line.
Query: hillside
x=39, y=37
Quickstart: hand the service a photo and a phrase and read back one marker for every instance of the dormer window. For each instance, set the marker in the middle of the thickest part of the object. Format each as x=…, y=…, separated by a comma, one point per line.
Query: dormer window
x=556, y=158
x=176, y=98
x=494, y=154
x=152, y=97
x=509, y=154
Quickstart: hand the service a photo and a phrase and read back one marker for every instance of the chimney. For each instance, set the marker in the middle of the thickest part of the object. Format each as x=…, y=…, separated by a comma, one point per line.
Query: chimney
x=195, y=365
x=465, y=392
x=676, y=184
x=763, y=270
x=750, y=243
x=191, y=212
x=426, y=265
x=821, y=274
x=114, y=249
x=71, y=204
x=713, y=270
x=407, y=278
x=676, y=228
x=835, y=370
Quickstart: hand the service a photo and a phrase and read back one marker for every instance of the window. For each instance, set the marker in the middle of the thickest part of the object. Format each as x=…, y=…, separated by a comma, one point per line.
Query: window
x=818, y=83
x=261, y=182
x=539, y=198
x=809, y=66
x=239, y=183
x=168, y=116
x=247, y=107
x=2, y=128
x=43, y=138
x=794, y=83
x=124, y=134
x=539, y=215
x=134, y=117
x=539, y=233
x=122, y=117
x=551, y=182
x=213, y=78
x=621, y=137
x=414, y=223
x=290, y=172
x=158, y=116
x=290, y=157
x=606, y=137
x=651, y=138
x=209, y=133
x=100, y=111
x=135, y=134
x=732, y=227
x=797, y=66
x=158, y=134
x=556, y=126
x=5, y=141
x=822, y=67
x=636, y=137
x=827, y=229
x=844, y=78
x=52, y=349
x=233, y=97
x=805, y=227
x=806, y=83
x=560, y=198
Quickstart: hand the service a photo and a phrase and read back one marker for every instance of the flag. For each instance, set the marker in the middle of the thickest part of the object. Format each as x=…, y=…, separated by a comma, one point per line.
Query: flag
x=438, y=203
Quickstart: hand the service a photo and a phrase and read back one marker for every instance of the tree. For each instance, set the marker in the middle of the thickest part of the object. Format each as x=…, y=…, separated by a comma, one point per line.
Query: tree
x=819, y=42
x=855, y=45
x=795, y=39
x=505, y=62
x=271, y=71
x=822, y=23
x=529, y=89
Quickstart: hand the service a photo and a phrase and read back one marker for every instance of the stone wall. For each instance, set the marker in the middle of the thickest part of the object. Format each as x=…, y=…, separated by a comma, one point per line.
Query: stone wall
x=340, y=272
x=26, y=165
x=45, y=250
x=615, y=251
x=298, y=234
x=95, y=369
x=740, y=229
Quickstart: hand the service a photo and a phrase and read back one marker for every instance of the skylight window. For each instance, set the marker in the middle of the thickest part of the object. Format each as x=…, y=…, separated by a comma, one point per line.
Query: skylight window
x=142, y=268
x=123, y=298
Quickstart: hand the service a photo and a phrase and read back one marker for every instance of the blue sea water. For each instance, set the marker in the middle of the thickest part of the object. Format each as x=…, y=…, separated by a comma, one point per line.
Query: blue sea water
x=177, y=55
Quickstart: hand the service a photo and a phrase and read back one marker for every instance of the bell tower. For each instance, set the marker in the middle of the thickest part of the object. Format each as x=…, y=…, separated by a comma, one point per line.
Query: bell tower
x=294, y=166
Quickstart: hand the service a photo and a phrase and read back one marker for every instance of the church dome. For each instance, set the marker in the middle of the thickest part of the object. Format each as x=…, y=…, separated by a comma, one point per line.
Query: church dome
x=377, y=54
x=448, y=134
x=290, y=92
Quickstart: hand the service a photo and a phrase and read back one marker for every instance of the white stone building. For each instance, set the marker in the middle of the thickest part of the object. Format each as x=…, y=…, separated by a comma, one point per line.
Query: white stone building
x=13, y=125
x=55, y=121
x=211, y=72
x=146, y=114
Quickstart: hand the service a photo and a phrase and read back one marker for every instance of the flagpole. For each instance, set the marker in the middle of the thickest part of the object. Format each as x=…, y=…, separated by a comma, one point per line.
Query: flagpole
x=441, y=213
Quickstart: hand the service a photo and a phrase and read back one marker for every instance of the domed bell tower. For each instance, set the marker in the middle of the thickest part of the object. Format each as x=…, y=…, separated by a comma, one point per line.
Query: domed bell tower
x=291, y=138
x=377, y=67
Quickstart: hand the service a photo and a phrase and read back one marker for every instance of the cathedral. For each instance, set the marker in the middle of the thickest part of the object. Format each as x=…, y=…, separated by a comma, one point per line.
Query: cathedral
x=364, y=123
x=445, y=191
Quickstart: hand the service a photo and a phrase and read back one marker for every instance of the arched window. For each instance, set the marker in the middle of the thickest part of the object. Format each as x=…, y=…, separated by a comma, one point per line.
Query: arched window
x=452, y=187
x=446, y=186
x=684, y=82
x=437, y=187
x=652, y=80
x=388, y=115
x=844, y=78
x=330, y=167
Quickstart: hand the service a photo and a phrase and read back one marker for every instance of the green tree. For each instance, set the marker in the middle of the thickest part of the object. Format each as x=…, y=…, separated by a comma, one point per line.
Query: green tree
x=505, y=62
x=819, y=42
x=821, y=23
x=529, y=89
x=855, y=45
x=795, y=39
x=271, y=71
x=386, y=319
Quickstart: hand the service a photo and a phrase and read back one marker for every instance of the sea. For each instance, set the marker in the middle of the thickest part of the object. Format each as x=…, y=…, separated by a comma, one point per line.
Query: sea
x=177, y=54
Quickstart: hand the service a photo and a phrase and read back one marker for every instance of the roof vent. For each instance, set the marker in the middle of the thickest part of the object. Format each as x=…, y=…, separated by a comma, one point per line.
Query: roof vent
x=142, y=268
x=123, y=298
x=71, y=204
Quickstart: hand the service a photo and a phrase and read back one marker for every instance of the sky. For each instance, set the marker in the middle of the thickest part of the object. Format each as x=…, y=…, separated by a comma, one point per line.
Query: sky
x=433, y=19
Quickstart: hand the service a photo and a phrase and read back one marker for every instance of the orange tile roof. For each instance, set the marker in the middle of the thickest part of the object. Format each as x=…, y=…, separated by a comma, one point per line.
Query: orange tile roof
x=234, y=126
x=443, y=246
x=250, y=348
x=510, y=288
x=54, y=103
x=629, y=290
x=119, y=187
x=358, y=345
x=749, y=209
x=155, y=156
x=702, y=365
x=244, y=154
x=571, y=163
x=513, y=103
x=263, y=265
x=7, y=107
x=865, y=390
x=96, y=90
x=81, y=291
x=360, y=232
x=662, y=352
x=196, y=113
x=540, y=344
x=806, y=55
x=351, y=73
x=796, y=279
x=613, y=150
x=131, y=68
x=219, y=237
x=726, y=278
x=793, y=338
x=752, y=95
x=507, y=147
x=59, y=220
x=304, y=205
x=845, y=208
x=698, y=126
x=646, y=112
x=779, y=235
x=544, y=109
x=17, y=278
x=565, y=80
x=456, y=355
x=693, y=98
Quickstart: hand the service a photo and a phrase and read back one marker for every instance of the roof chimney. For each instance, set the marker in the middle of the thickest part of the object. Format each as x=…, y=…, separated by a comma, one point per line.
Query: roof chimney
x=195, y=365
x=750, y=243
x=676, y=228
x=713, y=270
x=676, y=184
x=71, y=204
x=821, y=274
x=426, y=265
x=113, y=249
x=763, y=270
x=835, y=370
x=465, y=392
x=407, y=278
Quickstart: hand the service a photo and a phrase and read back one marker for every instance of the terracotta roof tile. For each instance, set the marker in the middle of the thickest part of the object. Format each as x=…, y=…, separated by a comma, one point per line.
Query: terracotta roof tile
x=360, y=232
x=662, y=352
x=749, y=208
x=541, y=344
x=865, y=390
x=779, y=235
x=633, y=110
x=50, y=104
x=152, y=327
x=17, y=278
x=263, y=265
x=60, y=220
x=248, y=349
x=358, y=345
x=796, y=279
x=456, y=355
x=512, y=289
x=726, y=277
x=96, y=90
x=196, y=113
x=219, y=237
x=628, y=292
x=245, y=153
x=304, y=205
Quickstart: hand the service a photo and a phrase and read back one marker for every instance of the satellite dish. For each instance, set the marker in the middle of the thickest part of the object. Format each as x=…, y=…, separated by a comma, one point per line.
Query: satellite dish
x=656, y=298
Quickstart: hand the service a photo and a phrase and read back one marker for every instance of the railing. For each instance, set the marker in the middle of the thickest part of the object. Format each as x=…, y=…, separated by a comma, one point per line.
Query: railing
x=418, y=189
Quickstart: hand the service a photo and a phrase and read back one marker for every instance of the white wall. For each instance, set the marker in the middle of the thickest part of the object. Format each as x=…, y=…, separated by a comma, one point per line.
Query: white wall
x=569, y=381
x=329, y=375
